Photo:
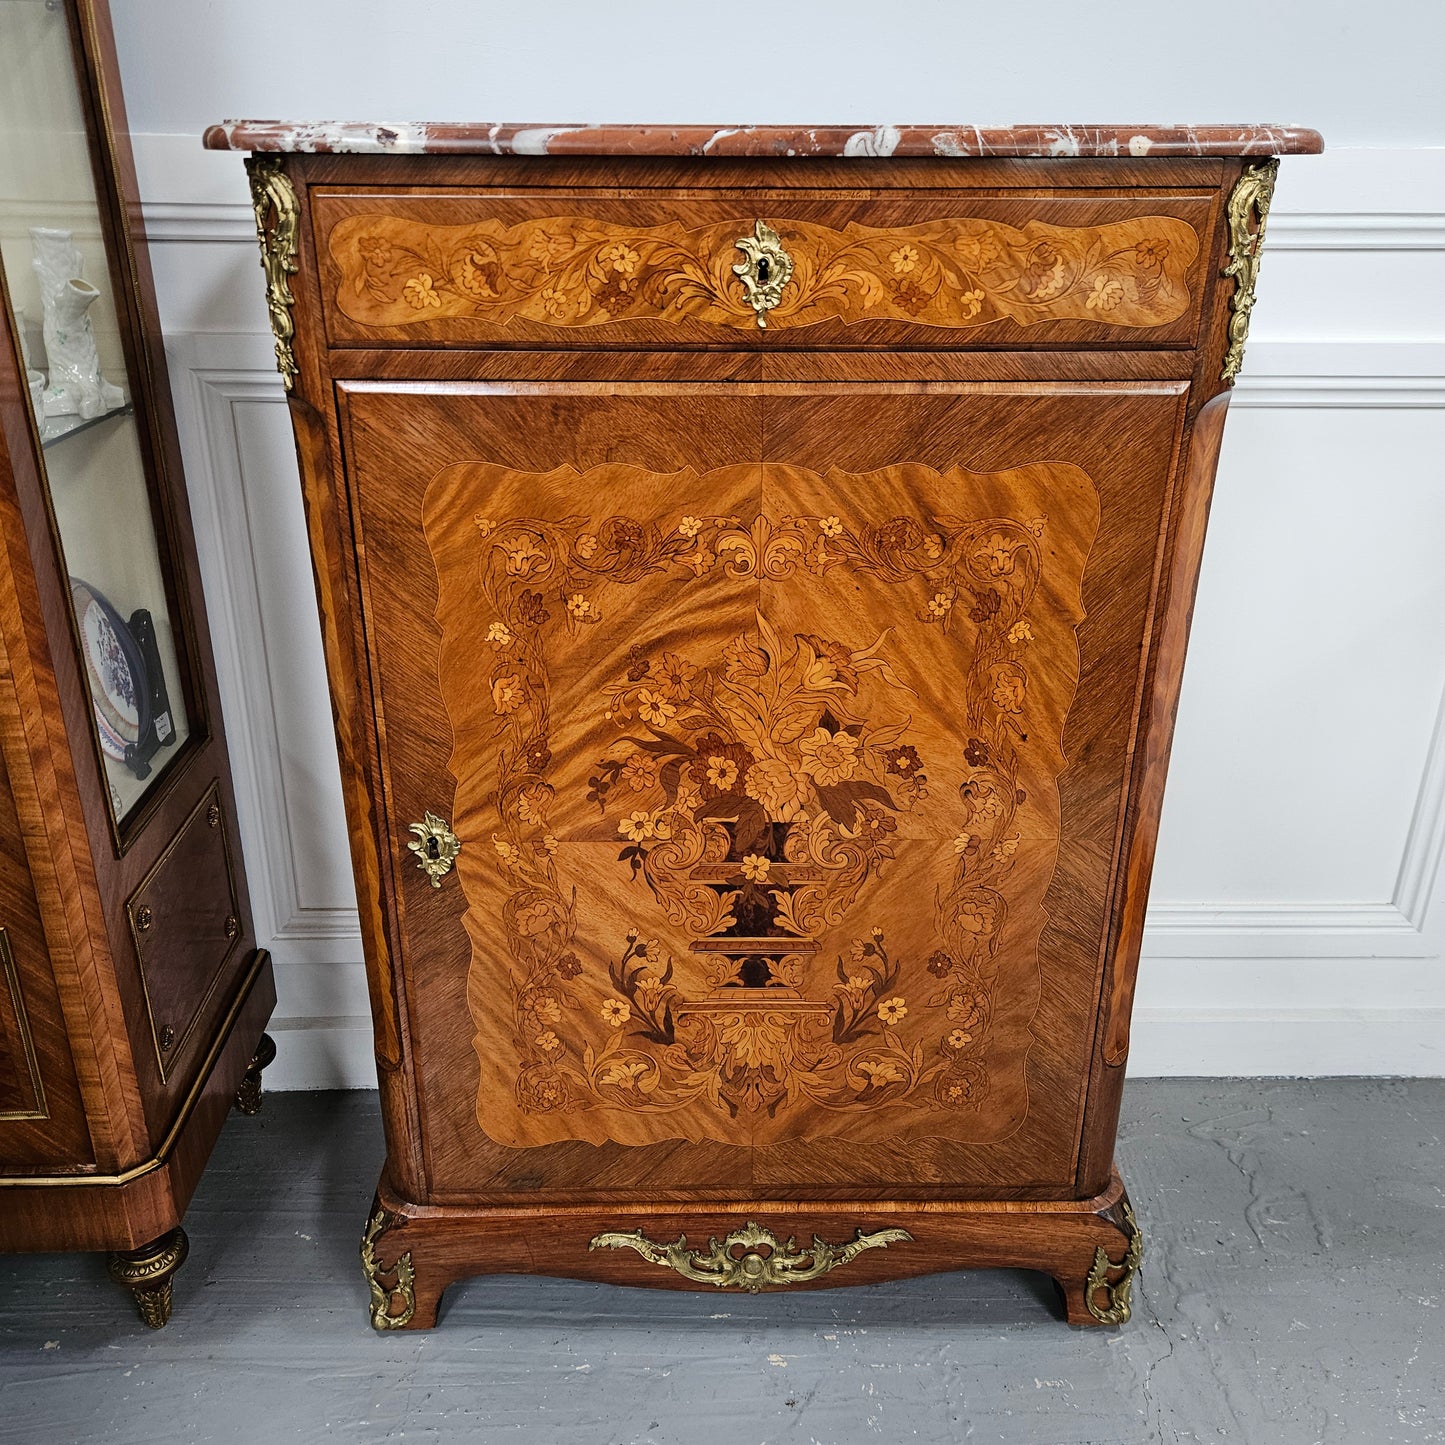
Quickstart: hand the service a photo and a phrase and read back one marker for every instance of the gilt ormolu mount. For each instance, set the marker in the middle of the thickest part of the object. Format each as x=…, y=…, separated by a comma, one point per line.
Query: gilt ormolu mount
x=747, y=635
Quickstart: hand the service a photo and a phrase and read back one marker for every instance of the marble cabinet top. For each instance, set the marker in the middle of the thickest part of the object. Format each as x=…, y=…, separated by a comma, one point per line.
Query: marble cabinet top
x=462, y=138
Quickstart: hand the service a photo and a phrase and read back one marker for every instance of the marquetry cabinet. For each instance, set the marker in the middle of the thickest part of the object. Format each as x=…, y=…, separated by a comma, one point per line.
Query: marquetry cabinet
x=755, y=570
x=132, y=994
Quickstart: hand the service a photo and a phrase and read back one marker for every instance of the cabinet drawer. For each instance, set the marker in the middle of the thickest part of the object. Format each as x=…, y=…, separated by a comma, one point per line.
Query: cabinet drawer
x=185, y=921
x=998, y=269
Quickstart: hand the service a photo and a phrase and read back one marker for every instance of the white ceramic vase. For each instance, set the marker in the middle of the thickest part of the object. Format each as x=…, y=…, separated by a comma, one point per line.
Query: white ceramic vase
x=76, y=386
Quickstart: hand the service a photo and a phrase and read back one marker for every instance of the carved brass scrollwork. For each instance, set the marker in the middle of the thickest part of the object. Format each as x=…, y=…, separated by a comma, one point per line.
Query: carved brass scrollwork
x=1251, y=194
x=383, y=1295
x=1118, y=1309
x=272, y=195
x=750, y=1270
x=765, y=272
x=435, y=846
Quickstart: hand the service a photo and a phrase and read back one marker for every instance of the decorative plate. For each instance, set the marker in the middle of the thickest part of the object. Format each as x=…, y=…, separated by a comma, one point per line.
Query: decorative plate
x=114, y=666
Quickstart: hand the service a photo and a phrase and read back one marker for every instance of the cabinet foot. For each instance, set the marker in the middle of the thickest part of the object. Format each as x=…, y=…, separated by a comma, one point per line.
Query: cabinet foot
x=248, y=1096
x=148, y=1273
x=1091, y=1247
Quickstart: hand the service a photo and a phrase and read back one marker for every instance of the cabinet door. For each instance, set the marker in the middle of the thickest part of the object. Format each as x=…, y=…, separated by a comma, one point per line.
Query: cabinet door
x=785, y=734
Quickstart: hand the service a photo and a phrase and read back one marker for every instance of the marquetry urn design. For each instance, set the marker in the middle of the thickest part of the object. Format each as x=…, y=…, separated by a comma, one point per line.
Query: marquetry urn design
x=755, y=589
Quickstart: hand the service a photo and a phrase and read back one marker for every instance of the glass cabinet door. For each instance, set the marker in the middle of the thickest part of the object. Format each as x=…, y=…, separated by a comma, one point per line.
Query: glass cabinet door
x=57, y=277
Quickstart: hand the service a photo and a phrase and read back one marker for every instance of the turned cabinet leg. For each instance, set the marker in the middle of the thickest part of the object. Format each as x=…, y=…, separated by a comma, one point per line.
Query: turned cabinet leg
x=148, y=1273
x=248, y=1096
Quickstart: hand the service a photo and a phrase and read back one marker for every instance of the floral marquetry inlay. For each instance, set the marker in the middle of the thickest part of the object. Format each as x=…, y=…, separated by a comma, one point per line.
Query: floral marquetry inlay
x=704, y=744
x=568, y=271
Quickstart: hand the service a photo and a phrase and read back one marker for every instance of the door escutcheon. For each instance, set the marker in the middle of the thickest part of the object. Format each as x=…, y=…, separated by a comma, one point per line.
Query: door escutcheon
x=765, y=271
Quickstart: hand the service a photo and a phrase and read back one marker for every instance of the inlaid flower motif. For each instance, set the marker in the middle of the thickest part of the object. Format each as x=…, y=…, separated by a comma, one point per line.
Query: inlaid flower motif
x=879, y=1072
x=586, y=546
x=620, y=257
x=743, y=659
x=550, y=843
x=892, y=1010
x=654, y=708
x=484, y=525
x=722, y=773
x=965, y=1007
x=531, y=611
x=998, y=554
x=480, y=274
x=859, y=983
x=548, y=1042
x=933, y=546
x=904, y=259
x=903, y=760
x=1108, y=292
x=624, y=1076
x=637, y=826
x=546, y=248
x=976, y=753
x=1006, y=847
x=910, y=296
x=970, y=303
x=773, y=783
x=556, y=302
x=569, y=965
x=959, y=1038
x=507, y=693
x=724, y=765
x=830, y=527
x=977, y=253
x=755, y=867
x=505, y=851
x=1021, y=634
x=961, y=842
x=689, y=526
x=940, y=604
x=676, y=675
x=522, y=557
x=639, y=772
x=581, y=608
x=499, y=634
x=534, y=919
x=829, y=758
x=1151, y=253
x=615, y=1012
x=1008, y=691
x=976, y=918
x=420, y=292
x=940, y=964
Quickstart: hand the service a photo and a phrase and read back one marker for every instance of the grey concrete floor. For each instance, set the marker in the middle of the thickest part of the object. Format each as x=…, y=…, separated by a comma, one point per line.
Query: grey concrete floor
x=1293, y=1293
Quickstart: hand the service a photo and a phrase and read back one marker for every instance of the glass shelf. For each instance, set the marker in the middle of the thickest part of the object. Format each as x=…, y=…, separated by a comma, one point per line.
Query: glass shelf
x=55, y=429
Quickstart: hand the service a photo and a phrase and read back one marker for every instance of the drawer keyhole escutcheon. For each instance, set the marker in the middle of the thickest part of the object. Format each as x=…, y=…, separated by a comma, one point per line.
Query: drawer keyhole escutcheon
x=435, y=846
x=765, y=271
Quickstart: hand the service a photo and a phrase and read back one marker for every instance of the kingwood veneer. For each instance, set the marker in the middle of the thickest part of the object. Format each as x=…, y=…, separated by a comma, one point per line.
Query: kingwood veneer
x=755, y=590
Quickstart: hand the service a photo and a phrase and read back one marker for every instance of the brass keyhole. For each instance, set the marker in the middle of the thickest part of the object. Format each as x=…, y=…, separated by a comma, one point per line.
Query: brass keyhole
x=433, y=848
x=763, y=270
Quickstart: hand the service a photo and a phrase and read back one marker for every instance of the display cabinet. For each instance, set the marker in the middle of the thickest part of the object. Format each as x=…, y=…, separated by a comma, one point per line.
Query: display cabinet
x=755, y=568
x=132, y=993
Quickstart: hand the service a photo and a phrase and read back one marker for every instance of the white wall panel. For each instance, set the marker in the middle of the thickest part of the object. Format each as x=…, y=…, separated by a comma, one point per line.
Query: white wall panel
x=1292, y=929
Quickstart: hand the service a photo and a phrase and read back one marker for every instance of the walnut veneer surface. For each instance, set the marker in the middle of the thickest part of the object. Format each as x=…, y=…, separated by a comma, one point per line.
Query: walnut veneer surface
x=755, y=596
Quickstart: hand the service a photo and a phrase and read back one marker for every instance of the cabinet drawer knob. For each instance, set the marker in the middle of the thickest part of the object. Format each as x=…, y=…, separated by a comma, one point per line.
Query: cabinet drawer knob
x=144, y=918
x=435, y=846
x=766, y=269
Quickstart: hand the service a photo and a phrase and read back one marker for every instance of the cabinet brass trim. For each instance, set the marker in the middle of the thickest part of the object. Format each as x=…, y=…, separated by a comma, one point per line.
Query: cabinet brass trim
x=1117, y=1292
x=1251, y=195
x=765, y=271
x=383, y=1294
x=435, y=846
x=782, y=1264
x=273, y=194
